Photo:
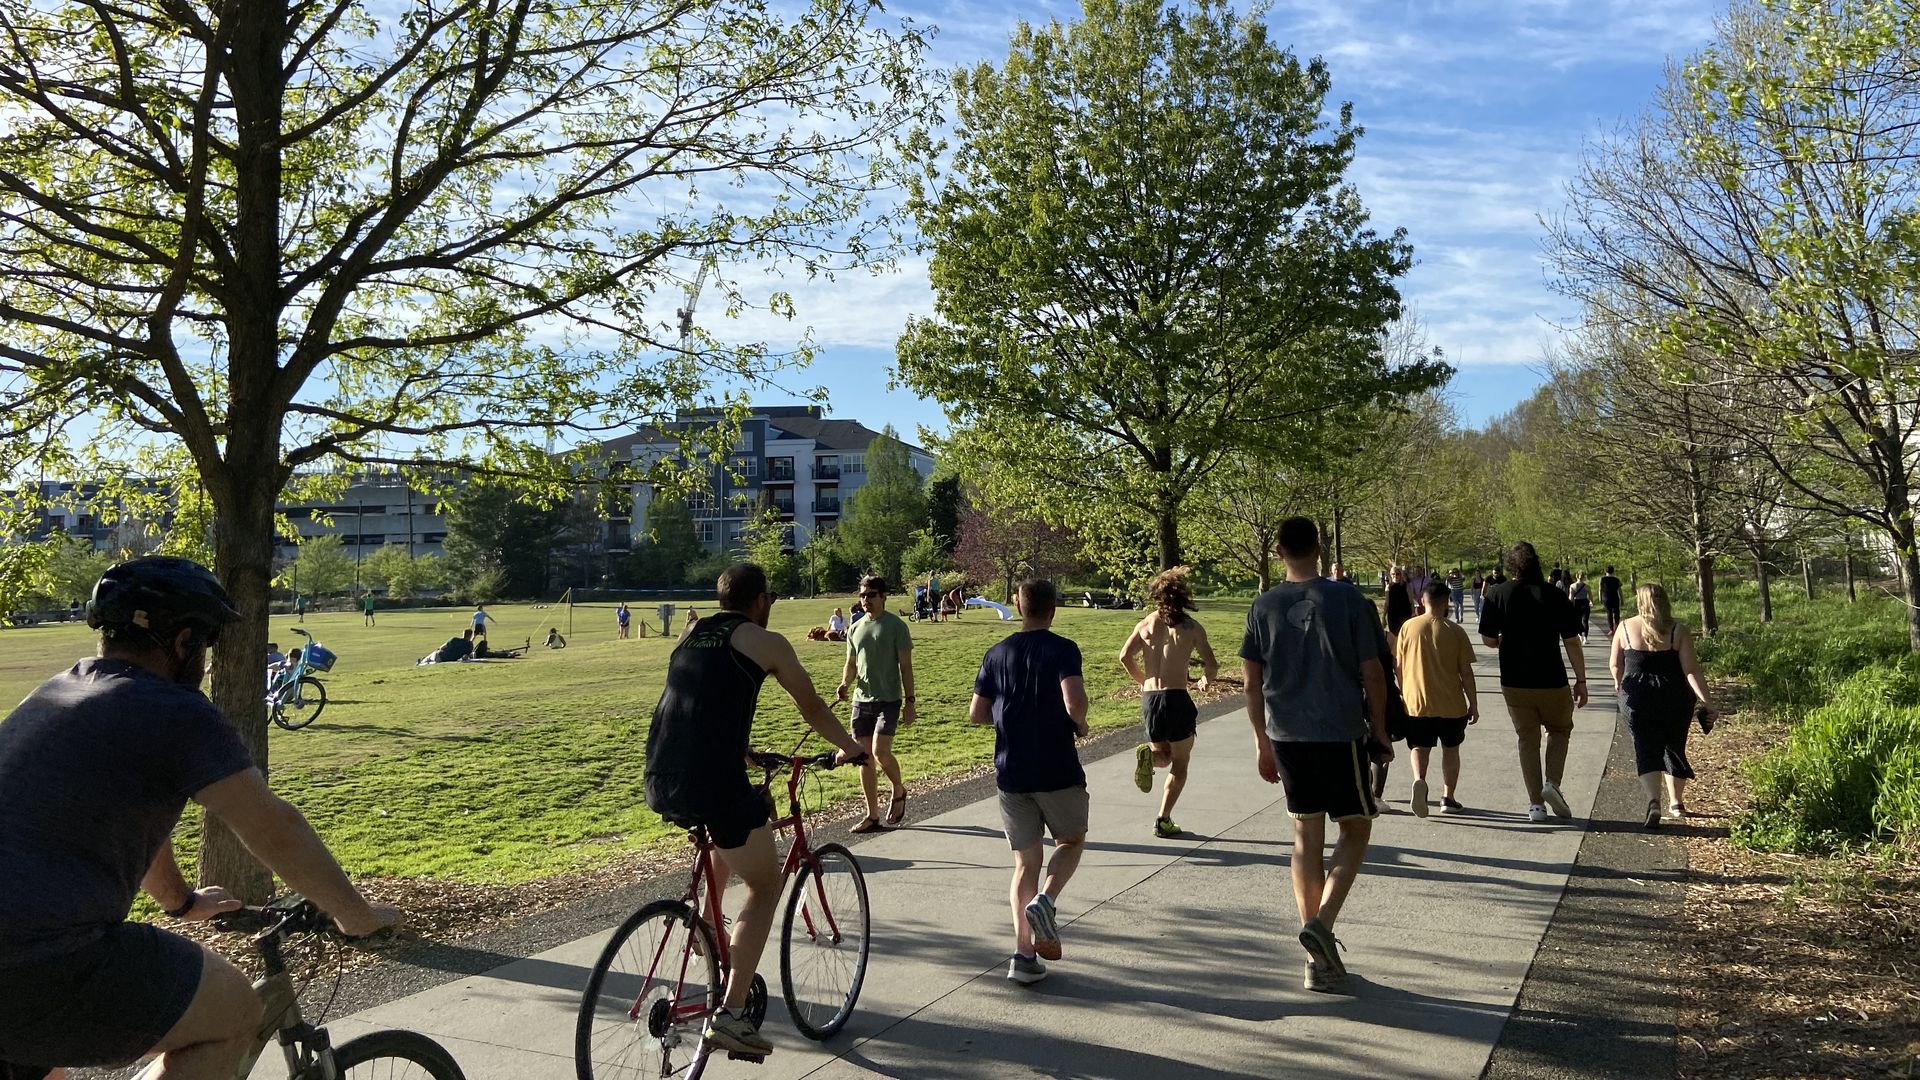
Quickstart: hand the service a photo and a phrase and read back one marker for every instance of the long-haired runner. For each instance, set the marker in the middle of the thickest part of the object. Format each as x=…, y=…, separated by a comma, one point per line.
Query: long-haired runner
x=1158, y=655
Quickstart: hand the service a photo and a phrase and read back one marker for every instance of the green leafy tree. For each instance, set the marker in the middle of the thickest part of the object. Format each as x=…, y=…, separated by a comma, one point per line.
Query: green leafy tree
x=924, y=555
x=671, y=544
x=1146, y=256
x=320, y=567
x=767, y=540
x=883, y=514
x=945, y=503
x=263, y=234
x=401, y=573
x=70, y=570
x=495, y=527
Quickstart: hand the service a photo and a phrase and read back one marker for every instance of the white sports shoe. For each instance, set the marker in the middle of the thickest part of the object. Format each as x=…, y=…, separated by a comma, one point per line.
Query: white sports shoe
x=1550, y=795
x=1537, y=814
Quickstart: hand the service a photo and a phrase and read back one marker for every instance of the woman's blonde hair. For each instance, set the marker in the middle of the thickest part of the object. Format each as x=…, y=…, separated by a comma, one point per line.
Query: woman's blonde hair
x=1656, y=615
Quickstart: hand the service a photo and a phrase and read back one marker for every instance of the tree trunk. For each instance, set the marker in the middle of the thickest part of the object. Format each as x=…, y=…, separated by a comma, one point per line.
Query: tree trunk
x=244, y=485
x=1339, y=536
x=1910, y=575
x=1852, y=595
x=243, y=551
x=1806, y=573
x=1264, y=569
x=1764, y=580
x=1167, y=522
x=1703, y=577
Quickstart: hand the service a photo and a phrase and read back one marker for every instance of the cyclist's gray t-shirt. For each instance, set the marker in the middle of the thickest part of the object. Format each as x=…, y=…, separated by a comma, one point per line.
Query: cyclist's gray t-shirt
x=1312, y=637
x=95, y=766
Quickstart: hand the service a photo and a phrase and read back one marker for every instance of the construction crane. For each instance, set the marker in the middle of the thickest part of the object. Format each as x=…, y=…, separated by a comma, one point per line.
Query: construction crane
x=708, y=266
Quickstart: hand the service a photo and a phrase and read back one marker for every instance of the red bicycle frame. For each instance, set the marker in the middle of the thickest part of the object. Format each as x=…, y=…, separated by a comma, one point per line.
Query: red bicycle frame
x=704, y=900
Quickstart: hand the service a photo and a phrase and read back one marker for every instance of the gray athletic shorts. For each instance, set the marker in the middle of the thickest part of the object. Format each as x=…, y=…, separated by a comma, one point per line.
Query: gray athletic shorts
x=1026, y=814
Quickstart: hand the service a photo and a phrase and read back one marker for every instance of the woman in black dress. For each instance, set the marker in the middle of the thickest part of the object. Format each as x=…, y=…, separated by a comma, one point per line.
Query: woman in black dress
x=1399, y=600
x=1657, y=675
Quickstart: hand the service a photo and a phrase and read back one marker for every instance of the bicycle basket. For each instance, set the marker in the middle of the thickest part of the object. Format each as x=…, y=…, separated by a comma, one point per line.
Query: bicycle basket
x=320, y=658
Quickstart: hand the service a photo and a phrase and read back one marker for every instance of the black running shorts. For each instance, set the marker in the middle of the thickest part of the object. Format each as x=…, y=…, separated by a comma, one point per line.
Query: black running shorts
x=104, y=1005
x=1331, y=778
x=1171, y=715
x=729, y=806
x=1426, y=732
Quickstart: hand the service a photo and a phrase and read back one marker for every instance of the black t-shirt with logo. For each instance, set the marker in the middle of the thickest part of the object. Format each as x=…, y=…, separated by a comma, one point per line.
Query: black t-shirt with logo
x=1531, y=619
x=95, y=766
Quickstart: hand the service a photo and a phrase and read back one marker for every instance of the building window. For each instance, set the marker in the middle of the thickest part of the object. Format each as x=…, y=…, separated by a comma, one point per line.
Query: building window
x=746, y=467
x=704, y=530
x=853, y=465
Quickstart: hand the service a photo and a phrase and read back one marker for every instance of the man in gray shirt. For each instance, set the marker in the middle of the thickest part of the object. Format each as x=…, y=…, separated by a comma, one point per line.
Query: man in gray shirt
x=1316, y=694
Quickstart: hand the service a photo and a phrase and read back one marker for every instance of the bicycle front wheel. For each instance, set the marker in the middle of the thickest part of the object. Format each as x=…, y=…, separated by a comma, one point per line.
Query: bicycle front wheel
x=648, y=997
x=824, y=942
x=395, y=1055
x=302, y=704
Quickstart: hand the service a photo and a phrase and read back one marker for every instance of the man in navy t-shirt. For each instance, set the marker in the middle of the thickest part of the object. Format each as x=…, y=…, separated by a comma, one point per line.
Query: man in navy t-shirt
x=95, y=767
x=1029, y=688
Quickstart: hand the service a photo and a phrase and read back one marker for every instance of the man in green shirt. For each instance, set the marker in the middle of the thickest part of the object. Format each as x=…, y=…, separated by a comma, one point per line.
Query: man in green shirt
x=366, y=608
x=879, y=671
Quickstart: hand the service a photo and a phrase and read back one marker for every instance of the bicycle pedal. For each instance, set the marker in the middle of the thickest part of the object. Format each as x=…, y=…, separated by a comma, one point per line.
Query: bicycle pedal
x=757, y=1059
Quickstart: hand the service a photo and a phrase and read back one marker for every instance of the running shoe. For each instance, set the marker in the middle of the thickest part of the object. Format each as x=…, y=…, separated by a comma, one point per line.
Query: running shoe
x=1143, y=767
x=1537, y=814
x=1165, y=829
x=1451, y=805
x=1319, y=980
x=1323, y=947
x=1653, y=814
x=736, y=1034
x=1419, y=798
x=1046, y=929
x=1026, y=970
x=1550, y=794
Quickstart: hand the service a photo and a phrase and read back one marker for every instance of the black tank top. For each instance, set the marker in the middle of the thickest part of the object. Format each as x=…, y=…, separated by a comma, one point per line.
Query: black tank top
x=704, y=721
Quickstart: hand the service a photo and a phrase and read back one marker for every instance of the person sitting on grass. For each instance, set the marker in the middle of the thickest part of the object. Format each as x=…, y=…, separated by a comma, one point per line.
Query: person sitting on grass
x=482, y=651
x=555, y=641
x=837, y=626
x=455, y=649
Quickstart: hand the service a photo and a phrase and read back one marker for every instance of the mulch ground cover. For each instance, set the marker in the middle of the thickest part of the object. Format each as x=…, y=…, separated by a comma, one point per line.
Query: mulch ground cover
x=1793, y=966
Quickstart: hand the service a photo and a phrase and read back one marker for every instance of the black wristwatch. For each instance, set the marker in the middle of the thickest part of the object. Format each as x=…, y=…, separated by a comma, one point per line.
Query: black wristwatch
x=181, y=911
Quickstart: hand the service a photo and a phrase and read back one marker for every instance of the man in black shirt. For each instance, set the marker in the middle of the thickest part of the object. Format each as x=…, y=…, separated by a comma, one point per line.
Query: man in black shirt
x=1031, y=690
x=1610, y=599
x=696, y=770
x=1529, y=621
x=95, y=766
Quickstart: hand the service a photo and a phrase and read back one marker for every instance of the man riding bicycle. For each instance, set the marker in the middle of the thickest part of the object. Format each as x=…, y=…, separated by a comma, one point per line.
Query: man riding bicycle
x=696, y=771
x=95, y=767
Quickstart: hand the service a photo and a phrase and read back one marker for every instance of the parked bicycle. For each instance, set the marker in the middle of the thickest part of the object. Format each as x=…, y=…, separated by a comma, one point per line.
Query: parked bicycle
x=662, y=974
x=296, y=698
x=310, y=1053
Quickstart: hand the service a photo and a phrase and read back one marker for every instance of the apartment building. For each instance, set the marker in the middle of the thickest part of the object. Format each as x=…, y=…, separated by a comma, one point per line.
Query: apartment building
x=793, y=458
x=375, y=509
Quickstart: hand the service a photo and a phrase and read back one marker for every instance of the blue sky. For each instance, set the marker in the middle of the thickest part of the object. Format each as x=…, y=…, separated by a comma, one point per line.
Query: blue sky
x=1476, y=112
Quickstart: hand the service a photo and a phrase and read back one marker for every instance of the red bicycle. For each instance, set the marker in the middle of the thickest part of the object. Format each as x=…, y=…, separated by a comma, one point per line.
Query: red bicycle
x=662, y=974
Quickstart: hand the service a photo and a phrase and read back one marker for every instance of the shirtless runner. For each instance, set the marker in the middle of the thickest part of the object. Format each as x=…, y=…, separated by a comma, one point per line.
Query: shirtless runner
x=1158, y=655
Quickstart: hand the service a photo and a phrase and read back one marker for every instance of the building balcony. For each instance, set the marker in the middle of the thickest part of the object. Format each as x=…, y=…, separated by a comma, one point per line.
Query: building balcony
x=826, y=472
x=826, y=506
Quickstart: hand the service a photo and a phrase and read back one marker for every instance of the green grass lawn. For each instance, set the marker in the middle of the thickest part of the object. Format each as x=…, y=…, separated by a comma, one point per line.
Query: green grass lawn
x=509, y=771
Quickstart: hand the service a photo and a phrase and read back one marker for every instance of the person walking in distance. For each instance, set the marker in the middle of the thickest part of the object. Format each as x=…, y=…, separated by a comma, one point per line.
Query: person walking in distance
x=622, y=618
x=1582, y=598
x=1399, y=600
x=366, y=609
x=1456, y=593
x=1435, y=660
x=1030, y=689
x=1610, y=599
x=1657, y=674
x=879, y=672
x=1158, y=655
x=1312, y=661
x=481, y=619
x=1528, y=621
x=696, y=772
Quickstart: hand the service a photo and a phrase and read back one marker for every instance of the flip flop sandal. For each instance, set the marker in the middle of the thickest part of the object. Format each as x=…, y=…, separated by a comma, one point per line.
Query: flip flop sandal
x=867, y=825
x=897, y=809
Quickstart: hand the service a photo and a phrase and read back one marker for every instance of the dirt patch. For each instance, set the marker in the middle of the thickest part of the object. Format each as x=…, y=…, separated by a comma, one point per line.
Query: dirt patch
x=1792, y=966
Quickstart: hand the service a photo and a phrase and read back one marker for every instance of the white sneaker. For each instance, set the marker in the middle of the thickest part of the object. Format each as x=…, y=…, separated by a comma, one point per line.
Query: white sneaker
x=1550, y=795
x=1537, y=814
x=1419, y=798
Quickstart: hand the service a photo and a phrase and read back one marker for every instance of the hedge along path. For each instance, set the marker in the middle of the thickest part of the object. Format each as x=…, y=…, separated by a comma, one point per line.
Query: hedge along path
x=510, y=771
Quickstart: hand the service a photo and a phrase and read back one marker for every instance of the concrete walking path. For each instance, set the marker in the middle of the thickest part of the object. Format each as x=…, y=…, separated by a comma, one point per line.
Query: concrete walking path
x=1180, y=959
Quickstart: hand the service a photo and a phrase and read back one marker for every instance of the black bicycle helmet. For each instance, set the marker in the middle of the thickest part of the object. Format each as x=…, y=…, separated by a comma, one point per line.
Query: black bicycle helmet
x=160, y=594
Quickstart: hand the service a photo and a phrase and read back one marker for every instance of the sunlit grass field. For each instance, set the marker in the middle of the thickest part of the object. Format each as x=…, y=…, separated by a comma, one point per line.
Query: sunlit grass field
x=509, y=771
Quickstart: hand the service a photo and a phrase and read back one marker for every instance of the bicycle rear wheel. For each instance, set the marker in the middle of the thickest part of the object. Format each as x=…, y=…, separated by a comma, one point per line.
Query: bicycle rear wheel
x=824, y=942
x=648, y=997
x=395, y=1055
x=302, y=704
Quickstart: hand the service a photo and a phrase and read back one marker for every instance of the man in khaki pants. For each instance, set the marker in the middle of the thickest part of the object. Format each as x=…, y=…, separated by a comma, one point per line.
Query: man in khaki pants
x=1524, y=619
